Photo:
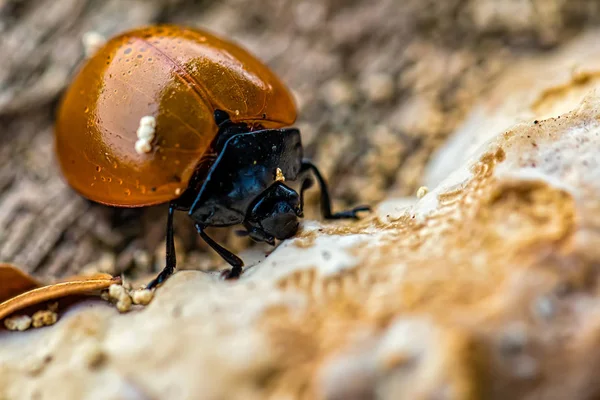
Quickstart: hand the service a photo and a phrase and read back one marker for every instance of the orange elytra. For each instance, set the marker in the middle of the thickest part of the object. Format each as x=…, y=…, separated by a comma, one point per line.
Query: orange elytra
x=177, y=75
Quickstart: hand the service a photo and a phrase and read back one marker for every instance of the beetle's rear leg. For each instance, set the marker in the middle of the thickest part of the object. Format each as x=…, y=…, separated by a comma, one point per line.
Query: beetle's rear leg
x=171, y=259
x=233, y=260
x=326, y=200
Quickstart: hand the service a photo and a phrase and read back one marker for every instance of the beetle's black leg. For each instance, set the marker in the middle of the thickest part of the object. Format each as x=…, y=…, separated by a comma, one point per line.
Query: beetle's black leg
x=171, y=259
x=325, y=199
x=233, y=260
x=306, y=184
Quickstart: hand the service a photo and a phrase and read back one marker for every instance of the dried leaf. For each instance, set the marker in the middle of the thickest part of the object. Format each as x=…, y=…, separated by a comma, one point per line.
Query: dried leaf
x=13, y=282
x=72, y=286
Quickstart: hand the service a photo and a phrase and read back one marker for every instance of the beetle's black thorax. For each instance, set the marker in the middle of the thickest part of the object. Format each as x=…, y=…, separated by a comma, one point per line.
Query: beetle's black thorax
x=226, y=129
x=246, y=165
x=244, y=185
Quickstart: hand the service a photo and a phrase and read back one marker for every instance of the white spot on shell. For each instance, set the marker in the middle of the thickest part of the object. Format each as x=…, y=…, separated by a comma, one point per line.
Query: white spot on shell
x=145, y=134
x=142, y=147
x=148, y=120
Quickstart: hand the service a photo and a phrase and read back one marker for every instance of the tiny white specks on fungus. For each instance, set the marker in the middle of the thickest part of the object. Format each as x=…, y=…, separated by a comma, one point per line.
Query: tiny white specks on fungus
x=115, y=291
x=18, y=323
x=124, y=304
x=145, y=134
x=422, y=191
x=118, y=294
x=44, y=318
x=142, y=296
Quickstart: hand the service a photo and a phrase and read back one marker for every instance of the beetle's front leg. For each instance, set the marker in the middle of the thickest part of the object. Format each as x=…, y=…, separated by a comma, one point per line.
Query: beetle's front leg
x=307, y=165
x=233, y=260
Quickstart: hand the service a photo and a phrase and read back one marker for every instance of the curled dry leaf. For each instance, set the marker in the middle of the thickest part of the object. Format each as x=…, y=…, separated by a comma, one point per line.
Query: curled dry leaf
x=13, y=282
x=19, y=291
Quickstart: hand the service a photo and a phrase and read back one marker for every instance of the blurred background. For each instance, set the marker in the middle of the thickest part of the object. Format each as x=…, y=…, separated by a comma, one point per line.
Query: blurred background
x=380, y=84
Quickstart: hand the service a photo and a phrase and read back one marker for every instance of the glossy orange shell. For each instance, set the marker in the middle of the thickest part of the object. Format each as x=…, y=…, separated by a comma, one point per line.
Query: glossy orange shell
x=179, y=76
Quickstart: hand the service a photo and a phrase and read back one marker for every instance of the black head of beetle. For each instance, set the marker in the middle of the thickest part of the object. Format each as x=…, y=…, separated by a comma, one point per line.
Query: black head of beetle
x=274, y=214
x=245, y=186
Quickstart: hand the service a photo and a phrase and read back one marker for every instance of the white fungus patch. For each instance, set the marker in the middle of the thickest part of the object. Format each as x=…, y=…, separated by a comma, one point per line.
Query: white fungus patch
x=145, y=134
x=142, y=296
x=423, y=190
x=18, y=323
x=44, y=318
x=120, y=295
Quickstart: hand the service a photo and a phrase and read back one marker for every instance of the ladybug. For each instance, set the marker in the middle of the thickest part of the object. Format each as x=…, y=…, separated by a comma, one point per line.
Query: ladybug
x=173, y=114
